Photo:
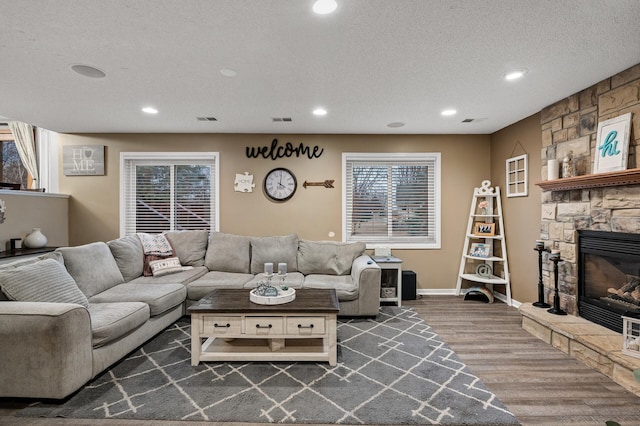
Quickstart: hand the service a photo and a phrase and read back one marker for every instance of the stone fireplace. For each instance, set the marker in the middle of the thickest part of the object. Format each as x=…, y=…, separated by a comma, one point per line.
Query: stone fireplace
x=583, y=204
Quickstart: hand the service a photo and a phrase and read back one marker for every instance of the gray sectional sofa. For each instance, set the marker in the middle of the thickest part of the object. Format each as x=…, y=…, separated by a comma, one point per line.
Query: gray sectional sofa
x=68, y=315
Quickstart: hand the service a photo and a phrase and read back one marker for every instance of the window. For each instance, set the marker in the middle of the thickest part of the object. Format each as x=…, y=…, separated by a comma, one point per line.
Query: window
x=517, y=176
x=392, y=200
x=11, y=168
x=168, y=191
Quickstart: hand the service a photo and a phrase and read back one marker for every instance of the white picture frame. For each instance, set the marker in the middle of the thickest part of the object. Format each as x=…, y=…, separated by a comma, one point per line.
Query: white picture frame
x=517, y=176
x=612, y=146
x=480, y=250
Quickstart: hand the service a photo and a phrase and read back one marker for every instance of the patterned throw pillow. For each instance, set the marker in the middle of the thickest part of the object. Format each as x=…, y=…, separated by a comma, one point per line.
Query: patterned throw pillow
x=168, y=265
x=44, y=281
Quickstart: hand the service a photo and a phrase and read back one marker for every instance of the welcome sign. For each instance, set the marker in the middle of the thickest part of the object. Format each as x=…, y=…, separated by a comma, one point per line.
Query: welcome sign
x=612, y=148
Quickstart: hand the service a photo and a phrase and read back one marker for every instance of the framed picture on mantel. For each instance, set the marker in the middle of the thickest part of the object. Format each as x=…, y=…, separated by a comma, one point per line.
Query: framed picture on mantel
x=612, y=147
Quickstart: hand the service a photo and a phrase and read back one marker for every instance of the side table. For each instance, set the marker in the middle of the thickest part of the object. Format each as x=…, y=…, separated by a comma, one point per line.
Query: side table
x=391, y=278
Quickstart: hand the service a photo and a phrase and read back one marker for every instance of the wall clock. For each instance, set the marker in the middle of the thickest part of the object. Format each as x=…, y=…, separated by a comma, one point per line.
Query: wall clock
x=280, y=184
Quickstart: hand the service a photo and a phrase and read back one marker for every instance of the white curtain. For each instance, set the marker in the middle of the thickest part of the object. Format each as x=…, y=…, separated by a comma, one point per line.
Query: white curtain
x=23, y=134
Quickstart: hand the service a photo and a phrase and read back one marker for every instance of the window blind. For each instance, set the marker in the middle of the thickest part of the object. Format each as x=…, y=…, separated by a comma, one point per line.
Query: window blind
x=168, y=194
x=391, y=201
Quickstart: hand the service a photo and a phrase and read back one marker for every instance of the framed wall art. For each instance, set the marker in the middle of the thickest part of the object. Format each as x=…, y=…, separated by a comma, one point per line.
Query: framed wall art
x=480, y=250
x=517, y=176
x=612, y=147
x=83, y=160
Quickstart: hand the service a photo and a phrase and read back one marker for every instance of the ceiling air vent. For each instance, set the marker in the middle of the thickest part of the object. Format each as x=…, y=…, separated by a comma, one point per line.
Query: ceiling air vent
x=207, y=119
x=281, y=119
x=467, y=120
x=473, y=120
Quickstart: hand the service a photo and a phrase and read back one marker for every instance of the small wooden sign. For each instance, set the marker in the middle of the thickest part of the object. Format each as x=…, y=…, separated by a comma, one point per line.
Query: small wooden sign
x=327, y=183
x=484, y=229
x=83, y=160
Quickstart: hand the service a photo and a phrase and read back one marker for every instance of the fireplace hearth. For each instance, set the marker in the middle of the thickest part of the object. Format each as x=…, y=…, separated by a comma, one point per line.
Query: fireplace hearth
x=608, y=277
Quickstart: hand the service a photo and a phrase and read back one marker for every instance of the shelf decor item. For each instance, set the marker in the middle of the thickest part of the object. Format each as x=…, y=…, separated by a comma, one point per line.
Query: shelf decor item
x=484, y=229
x=612, y=147
x=480, y=250
x=35, y=239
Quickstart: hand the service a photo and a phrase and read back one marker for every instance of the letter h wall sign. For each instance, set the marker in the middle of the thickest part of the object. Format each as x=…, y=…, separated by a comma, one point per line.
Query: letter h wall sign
x=83, y=160
x=612, y=147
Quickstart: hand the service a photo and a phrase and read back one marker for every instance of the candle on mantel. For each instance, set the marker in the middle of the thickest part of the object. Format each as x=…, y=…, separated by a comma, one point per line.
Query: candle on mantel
x=282, y=269
x=539, y=243
x=268, y=268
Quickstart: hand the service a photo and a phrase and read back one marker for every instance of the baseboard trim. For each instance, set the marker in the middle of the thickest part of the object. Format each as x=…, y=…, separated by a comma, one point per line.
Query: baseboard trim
x=452, y=292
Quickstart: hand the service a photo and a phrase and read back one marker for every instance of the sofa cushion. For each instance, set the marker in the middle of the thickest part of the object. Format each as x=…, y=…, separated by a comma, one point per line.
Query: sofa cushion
x=184, y=277
x=293, y=280
x=111, y=321
x=201, y=287
x=159, y=297
x=346, y=289
x=53, y=255
x=189, y=246
x=327, y=257
x=282, y=249
x=43, y=281
x=92, y=266
x=228, y=253
x=127, y=251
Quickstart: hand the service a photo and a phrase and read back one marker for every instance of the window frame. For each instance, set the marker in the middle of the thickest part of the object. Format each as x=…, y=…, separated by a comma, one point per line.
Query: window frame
x=172, y=156
x=393, y=158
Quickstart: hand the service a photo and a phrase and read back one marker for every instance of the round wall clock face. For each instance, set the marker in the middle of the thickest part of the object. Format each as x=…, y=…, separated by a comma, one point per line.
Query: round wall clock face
x=280, y=184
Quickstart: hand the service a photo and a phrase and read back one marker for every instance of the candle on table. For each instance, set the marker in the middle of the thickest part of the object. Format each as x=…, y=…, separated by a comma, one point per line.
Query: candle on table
x=539, y=243
x=268, y=268
x=282, y=269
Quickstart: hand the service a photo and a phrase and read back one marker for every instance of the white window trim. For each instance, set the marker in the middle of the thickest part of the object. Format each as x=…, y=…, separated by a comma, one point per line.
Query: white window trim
x=166, y=156
x=409, y=156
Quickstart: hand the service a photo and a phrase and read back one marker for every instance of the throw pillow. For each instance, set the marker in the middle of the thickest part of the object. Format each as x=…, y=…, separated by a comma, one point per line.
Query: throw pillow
x=127, y=251
x=43, y=281
x=281, y=249
x=327, y=257
x=155, y=247
x=168, y=265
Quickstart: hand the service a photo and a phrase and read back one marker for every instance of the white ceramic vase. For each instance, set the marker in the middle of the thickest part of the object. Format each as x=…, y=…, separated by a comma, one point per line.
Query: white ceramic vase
x=35, y=239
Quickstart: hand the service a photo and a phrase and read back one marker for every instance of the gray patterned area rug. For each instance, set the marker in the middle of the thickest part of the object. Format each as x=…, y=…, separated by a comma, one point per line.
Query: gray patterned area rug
x=391, y=370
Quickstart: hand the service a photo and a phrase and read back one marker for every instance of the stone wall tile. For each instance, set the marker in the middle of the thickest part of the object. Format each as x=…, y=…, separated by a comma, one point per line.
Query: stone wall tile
x=569, y=236
x=626, y=76
x=570, y=120
x=621, y=197
x=573, y=209
x=617, y=99
x=573, y=132
x=574, y=102
x=603, y=86
x=549, y=211
x=625, y=224
x=556, y=124
x=556, y=230
x=600, y=215
x=580, y=147
x=547, y=137
x=588, y=97
x=556, y=110
x=560, y=136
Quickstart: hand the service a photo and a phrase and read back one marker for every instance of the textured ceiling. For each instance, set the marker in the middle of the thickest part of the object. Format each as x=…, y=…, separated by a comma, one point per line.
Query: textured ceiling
x=370, y=63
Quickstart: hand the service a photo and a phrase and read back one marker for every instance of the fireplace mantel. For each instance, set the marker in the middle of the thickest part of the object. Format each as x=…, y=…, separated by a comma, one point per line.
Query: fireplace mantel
x=599, y=180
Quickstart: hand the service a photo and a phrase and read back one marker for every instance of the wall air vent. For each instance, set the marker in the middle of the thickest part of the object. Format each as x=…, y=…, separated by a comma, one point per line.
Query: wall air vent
x=207, y=119
x=281, y=119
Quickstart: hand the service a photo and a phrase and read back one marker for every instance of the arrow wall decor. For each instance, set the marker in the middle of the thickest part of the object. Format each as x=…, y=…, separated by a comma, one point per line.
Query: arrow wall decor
x=327, y=184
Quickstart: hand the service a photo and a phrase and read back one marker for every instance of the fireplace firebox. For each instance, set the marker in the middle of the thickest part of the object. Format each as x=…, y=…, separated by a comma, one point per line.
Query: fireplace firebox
x=608, y=277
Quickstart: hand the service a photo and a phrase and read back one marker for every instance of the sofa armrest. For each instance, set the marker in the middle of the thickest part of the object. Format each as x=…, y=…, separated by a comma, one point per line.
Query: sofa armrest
x=366, y=274
x=45, y=349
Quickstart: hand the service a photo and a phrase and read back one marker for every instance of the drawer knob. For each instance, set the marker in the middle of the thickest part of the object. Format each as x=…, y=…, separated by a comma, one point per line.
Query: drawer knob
x=305, y=326
x=263, y=326
x=216, y=325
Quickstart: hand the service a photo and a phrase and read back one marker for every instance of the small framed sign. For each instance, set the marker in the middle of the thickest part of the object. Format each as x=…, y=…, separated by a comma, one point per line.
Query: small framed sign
x=482, y=229
x=612, y=147
x=480, y=250
x=83, y=160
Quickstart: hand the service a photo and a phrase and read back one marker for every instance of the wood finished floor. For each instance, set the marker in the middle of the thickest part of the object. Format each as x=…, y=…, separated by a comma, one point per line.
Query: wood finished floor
x=539, y=384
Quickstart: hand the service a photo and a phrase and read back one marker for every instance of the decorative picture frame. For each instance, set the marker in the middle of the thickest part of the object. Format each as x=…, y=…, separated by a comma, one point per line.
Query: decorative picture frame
x=517, y=176
x=482, y=229
x=481, y=250
x=612, y=147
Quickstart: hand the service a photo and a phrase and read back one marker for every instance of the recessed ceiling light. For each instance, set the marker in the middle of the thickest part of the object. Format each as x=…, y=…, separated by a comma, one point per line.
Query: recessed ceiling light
x=323, y=7
x=449, y=112
x=228, y=72
x=320, y=111
x=395, y=124
x=87, y=71
x=149, y=110
x=514, y=75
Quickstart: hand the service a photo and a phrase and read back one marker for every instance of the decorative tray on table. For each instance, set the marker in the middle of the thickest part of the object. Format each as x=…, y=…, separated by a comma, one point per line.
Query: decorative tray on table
x=284, y=295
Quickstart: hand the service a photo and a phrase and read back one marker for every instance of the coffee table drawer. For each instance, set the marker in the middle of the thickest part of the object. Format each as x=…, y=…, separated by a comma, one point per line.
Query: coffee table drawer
x=263, y=326
x=304, y=326
x=221, y=325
